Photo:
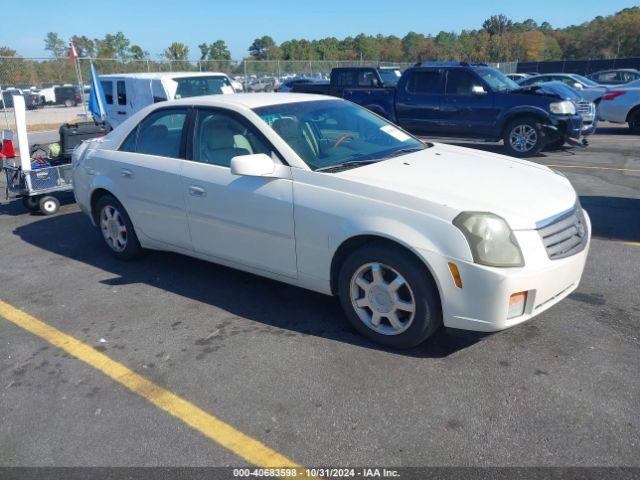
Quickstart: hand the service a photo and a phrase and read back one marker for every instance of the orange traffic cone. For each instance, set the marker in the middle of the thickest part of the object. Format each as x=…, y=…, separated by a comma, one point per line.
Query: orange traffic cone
x=7, y=149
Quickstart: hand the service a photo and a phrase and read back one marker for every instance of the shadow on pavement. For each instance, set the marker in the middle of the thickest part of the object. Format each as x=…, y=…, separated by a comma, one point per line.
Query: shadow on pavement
x=616, y=218
x=243, y=294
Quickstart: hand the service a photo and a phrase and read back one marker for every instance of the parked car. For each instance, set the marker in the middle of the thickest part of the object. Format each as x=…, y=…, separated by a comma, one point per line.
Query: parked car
x=69, y=96
x=517, y=76
x=615, y=77
x=126, y=94
x=287, y=85
x=462, y=100
x=622, y=104
x=323, y=194
x=32, y=99
x=589, y=89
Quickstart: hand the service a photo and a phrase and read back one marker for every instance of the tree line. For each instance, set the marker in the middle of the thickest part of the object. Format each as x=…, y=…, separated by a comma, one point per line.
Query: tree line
x=499, y=39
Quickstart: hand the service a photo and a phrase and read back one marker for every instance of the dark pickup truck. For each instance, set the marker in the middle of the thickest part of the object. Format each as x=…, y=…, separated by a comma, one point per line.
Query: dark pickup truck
x=457, y=99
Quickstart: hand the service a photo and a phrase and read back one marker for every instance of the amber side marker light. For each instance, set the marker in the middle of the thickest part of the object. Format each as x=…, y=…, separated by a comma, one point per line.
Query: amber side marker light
x=517, y=302
x=455, y=274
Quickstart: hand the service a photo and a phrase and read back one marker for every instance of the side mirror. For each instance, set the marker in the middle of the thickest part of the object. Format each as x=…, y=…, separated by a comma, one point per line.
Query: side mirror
x=256, y=165
x=578, y=86
x=478, y=90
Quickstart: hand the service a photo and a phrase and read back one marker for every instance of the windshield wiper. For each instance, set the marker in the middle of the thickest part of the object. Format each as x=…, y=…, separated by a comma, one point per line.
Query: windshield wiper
x=345, y=165
x=404, y=151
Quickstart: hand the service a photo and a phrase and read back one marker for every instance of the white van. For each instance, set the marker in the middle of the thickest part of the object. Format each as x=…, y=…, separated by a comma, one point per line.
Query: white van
x=129, y=92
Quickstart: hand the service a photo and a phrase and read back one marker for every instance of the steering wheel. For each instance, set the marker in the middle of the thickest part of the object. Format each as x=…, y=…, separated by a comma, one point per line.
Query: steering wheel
x=344, y=137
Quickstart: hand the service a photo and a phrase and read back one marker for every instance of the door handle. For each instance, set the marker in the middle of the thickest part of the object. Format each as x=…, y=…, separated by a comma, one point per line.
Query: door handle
x=126, y=173
x=120, y=112
x=89, y=170
x=197, y=191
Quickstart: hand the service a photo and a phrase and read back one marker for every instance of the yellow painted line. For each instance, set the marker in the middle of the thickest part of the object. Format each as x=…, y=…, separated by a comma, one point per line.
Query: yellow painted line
x=594, y=167
x=632, y=244
x=211, y=427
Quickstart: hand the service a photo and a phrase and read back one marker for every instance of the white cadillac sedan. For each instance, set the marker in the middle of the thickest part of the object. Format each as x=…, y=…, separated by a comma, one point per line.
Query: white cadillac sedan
x=320, y=193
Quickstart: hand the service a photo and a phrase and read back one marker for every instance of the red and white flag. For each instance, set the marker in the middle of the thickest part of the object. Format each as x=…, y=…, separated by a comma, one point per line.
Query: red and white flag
x=72, y=52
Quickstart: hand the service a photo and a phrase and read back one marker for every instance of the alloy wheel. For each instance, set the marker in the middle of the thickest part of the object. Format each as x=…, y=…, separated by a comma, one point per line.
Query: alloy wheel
x=382, y=299
x=114, y=230
x=523, y=138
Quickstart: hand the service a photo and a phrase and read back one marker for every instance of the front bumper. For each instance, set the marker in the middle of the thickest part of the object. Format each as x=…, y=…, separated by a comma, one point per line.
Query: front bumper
x=483, y=301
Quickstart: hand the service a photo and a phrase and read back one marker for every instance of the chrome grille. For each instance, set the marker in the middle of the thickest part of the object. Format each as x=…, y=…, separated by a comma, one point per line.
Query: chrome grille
x=565, y=234
x=586, y=108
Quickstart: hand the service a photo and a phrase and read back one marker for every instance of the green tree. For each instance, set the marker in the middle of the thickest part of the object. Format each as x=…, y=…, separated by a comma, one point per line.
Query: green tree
x=137, y=53
x=176, y=51
x=7, y=52
x=218, y=50
x=85, y=47
x=497, y=25
x=204, y=50
x=261, y=48
x=55, y=45
x=413, y=45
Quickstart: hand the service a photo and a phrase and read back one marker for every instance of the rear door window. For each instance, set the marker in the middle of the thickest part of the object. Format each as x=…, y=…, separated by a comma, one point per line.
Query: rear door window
x=158, y=134
x=425, y=82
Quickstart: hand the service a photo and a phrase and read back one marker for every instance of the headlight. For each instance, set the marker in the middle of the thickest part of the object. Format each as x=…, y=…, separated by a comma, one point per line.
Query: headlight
x=563, y=108
x=491, y=240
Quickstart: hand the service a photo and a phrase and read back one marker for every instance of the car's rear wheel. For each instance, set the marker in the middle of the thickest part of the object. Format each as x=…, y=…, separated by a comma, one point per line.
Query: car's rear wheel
x=524, y=137
x=116, y=228
x=634, y=122
x=69, y=103
x=388, y=296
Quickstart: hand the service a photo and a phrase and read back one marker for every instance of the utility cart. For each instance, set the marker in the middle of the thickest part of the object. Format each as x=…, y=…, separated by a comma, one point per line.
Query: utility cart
x=35, y=186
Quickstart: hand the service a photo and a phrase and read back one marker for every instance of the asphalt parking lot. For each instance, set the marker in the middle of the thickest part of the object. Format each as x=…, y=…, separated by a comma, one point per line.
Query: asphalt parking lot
x=281, y=365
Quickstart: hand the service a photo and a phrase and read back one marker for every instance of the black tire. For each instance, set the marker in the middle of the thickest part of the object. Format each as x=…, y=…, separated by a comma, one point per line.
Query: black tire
x=528, y=124
x=31, y=203
x=69, y=103
x=132, y=248
x=555, y=144
x=427, y=316
x=634, y=122
x=49, y=205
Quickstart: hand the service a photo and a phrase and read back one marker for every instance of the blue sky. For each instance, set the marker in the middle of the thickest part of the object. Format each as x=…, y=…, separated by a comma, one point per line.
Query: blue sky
x=155, y=24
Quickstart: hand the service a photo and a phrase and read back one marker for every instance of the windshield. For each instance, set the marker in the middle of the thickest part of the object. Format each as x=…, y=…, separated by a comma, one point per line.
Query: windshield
x=587, y=81
x=496, y=80
x=329, y=133
x=197, y=86
x=390, y=76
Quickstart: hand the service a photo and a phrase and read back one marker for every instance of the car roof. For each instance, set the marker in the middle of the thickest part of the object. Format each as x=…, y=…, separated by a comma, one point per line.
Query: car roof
x=155, y=75
x=251, y=100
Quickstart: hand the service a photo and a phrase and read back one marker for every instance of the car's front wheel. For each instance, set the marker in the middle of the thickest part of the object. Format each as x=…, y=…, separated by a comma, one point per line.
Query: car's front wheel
x=388, y=296
x=116, y=228
x=524, y=137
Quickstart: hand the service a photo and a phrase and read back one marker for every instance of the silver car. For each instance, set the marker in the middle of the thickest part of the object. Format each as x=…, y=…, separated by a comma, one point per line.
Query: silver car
x=622, y=105
x=589, y=89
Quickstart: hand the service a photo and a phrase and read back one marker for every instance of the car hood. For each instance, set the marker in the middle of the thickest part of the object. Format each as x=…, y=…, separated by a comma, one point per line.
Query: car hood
x=462, y=179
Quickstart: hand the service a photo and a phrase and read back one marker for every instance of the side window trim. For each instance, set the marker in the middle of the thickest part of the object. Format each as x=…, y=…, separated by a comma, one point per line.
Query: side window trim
x=193, y=126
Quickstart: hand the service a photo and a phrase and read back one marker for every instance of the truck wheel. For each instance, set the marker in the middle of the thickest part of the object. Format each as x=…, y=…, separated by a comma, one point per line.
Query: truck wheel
x=49, y=205
x=116, y=228
x=523, y=137
x=387, y=297
x=68, y=103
